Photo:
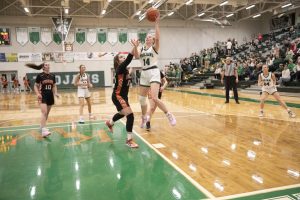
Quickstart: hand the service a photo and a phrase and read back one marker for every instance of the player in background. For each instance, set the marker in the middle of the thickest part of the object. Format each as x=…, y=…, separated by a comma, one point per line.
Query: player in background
x=267, y=81
x=82, y=81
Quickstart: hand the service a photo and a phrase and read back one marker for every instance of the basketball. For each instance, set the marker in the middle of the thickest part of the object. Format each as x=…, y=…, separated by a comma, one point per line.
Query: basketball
x=152, y=14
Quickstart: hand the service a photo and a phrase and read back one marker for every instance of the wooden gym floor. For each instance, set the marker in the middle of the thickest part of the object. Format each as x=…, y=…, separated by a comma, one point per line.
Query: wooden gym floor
x=216, y=150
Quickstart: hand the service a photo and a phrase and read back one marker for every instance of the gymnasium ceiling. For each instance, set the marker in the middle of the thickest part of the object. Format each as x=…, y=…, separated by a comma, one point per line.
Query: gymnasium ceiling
x=183, y=9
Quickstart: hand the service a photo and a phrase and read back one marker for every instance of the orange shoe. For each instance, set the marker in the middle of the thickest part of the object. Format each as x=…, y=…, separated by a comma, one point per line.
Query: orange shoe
x=131, y=143
x=109, y=126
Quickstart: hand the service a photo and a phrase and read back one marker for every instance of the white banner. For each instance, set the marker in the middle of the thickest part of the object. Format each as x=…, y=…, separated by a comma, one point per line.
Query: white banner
x=46, y=36
x=132, y=35
x=112, y=36
x=24, y=57
x=22, y=35
x=91, y=36
x=71, y=37
x=36, y=57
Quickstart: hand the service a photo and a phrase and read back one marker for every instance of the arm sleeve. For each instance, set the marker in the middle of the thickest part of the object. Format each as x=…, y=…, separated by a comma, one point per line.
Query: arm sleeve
x=124, y=64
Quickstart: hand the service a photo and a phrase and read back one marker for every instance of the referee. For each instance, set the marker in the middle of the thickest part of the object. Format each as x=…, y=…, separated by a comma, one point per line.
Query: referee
x=230, y=75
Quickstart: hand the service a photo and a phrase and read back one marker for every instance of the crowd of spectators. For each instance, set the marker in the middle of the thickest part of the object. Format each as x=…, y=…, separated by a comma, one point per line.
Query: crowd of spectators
x=279, y=50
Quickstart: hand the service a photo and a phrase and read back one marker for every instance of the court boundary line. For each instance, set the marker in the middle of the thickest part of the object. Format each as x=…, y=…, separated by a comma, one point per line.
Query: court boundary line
x=246, y=99
x=66, y=125
x=189, y=178
x=249, y=194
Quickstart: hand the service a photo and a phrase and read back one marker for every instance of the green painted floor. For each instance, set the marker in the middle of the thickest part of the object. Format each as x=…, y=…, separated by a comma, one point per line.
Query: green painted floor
x=68, y=167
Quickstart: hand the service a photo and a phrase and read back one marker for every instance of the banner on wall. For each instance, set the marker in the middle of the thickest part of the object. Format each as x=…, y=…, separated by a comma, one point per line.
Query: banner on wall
x=5, y=36
x=112, y=36
x=61, y=57
x=62, y=26
x=142, y=35
x=132, y=35
x=101, y=35
x=66, y=79
x=2, y=57
x=34, y=34
x=80, y=35
x=24, y=57
x=91, y=36
x=22, y=35
x=36, y=57
x=71, y=37
x=47, y=56
x=46, y=36
x=123, y=36
x=11, y=57
x=56, y=38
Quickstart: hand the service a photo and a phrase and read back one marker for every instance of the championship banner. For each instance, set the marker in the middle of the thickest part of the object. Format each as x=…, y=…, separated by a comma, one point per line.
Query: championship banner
x=132, y=35
x=91, y=36
x=22, y=36
x=142, y=36
x=46, y=36
x=62, y=26
x=101, y=35
x=36, y=57
x=56, y=38
x=11, y=57
x=2, y=57
x=71, y=37
x=112, y=36
x=80, y=35
x=24, y=57
x=34, y=34
x=47, y=57
x=123, y=36
x=65, y=80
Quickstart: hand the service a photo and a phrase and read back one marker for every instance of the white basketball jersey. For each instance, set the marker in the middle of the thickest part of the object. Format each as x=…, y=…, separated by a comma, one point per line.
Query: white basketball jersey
x=83, y=79
x=148, y=57
x=267, y=81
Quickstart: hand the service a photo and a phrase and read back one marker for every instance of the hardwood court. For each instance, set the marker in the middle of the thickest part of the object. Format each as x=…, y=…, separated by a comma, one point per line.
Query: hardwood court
x=225, y=150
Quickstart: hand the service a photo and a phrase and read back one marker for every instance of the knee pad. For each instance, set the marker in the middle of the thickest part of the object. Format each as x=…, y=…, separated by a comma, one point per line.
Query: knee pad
x=143, y=100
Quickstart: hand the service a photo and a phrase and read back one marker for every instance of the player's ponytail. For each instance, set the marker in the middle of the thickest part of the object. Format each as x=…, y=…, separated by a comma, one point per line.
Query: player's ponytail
x=116, y=61
x=34, y=66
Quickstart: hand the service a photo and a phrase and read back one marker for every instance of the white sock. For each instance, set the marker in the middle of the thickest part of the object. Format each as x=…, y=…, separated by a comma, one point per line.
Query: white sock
x=129, y=135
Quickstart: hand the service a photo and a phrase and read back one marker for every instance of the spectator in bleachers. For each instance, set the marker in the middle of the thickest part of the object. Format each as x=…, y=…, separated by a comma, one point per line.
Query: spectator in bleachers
x=229, y=47
x=298, y=69
x=285, y=76
x=218, y=72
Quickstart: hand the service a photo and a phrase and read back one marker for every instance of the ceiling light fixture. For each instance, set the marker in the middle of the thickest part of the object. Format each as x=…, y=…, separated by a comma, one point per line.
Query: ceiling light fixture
x=229, y=15
x=201, y=14
x=256, y=15
x=286, y=5
x=249, y=7
x=224, y=3
x=171, y=13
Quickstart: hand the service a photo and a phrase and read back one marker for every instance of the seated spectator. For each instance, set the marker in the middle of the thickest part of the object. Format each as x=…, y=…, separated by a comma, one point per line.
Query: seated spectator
x=298, y=69
x=285, y=76
x=292, y=68
x=218, y=72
